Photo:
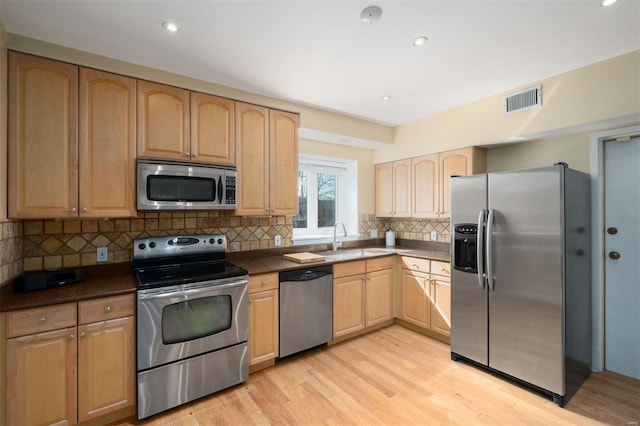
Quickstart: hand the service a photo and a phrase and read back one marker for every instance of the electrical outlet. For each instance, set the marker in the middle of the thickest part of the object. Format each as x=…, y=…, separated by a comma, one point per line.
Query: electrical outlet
x=434, y=235
x=278, y=240
x=102, y=255
x=374, y=233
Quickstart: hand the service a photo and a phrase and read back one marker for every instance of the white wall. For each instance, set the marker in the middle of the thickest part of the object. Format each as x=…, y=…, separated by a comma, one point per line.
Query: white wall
x=591, y=98
x=571, y=149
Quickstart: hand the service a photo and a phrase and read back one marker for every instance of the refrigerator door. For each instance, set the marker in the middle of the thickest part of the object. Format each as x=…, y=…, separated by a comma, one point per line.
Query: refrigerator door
x=526, y=291
x=469, y=320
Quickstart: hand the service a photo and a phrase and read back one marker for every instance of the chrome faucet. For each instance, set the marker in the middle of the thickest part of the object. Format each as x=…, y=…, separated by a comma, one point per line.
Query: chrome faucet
x=338, y=244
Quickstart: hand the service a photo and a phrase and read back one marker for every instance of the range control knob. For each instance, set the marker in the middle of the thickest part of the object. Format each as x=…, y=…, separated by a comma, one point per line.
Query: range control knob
x=141, y=246
x=211, y=241
x=152, y=244
x=219, y=240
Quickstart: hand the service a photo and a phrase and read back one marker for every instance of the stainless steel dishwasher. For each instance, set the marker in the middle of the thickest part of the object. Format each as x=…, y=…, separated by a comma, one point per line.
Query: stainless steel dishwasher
x=306, y=308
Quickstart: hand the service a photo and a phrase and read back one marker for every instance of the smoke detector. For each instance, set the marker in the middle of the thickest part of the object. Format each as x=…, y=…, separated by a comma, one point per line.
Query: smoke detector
x=371, y=14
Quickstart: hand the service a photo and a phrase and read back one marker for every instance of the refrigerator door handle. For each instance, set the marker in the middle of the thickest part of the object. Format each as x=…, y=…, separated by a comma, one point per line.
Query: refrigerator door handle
x=489, y=256
x=480, y=248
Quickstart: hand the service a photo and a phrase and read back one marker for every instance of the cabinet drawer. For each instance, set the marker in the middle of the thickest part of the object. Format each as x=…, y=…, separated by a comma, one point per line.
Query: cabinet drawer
x=347, y=269
x=379, y=264
x=263, y=282
x=38, y=320
x=105, y=308
x=415, y=264
x=440, y=268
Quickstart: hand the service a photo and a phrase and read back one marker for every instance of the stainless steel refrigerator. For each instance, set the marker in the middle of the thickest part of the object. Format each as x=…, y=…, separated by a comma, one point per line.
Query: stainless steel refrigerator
x=521, y=276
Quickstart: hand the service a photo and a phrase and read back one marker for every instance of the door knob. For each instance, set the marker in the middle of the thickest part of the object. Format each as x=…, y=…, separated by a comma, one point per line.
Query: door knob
x=614, y=255
x=612, y=231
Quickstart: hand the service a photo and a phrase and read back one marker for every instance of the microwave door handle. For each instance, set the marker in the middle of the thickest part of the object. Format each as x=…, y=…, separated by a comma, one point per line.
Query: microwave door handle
x=220, y=188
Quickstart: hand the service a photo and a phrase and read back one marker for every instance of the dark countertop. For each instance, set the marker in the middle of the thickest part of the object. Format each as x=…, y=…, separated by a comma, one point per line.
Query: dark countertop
x=117, y=278
x=101, y=281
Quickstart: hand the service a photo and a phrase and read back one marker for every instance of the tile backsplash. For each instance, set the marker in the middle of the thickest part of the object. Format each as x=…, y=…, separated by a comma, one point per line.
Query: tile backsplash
x=10, y=250
x=50, y=244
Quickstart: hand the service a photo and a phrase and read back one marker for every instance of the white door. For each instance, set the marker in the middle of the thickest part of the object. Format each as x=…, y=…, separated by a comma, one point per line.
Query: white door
x=622, y=256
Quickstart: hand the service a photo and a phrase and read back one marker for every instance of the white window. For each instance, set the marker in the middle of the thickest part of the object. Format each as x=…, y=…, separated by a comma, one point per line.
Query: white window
x=327, y=193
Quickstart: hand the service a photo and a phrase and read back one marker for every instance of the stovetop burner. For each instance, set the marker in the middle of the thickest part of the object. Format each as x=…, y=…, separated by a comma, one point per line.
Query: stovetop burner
x=172, y=260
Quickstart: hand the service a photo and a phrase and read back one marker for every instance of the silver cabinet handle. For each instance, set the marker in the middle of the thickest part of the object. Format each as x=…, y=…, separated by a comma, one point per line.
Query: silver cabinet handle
x=263, y=283
x=107, y=309
x=71, y=337
x=187, y=154
x=73, y=209
x=84, y=210
x=83, y=334
x=42, y=320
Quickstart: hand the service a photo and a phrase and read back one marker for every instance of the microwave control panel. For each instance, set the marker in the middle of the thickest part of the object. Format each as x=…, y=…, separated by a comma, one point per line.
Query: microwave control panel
x=230, y=193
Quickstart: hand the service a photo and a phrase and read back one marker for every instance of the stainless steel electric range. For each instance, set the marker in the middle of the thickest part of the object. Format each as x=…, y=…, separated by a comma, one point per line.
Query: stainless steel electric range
x=192, y=320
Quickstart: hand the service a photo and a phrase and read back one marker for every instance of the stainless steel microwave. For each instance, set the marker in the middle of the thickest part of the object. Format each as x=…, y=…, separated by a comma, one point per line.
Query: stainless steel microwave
x=185, y=186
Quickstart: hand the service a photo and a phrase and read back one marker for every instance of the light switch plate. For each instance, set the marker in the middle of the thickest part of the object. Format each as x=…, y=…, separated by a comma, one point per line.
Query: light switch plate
x=278, y=240
x=374, y=233
x=102, y=255
x=434, y=235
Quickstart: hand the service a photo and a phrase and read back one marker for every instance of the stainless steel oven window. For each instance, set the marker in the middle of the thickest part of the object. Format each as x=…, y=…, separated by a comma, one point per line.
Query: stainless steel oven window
x=194, y=319
x=180, y=188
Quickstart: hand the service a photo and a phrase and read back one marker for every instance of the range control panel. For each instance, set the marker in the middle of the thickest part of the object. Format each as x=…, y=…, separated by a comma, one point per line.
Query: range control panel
x=179, y=245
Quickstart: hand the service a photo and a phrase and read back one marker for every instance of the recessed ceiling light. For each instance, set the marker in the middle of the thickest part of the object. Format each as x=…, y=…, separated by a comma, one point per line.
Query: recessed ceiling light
x=170, y=26
x=607, y=2
x=420, y=41
x=385, y=97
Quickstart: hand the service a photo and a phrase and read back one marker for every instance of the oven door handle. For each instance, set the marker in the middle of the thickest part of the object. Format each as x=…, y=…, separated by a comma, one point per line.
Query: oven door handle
x=165, y=294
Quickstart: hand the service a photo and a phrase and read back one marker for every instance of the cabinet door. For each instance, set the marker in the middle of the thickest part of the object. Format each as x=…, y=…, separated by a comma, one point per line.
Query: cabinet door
x=283, y=163
x=425, y=191
x=415, y=298
x=348, y=305
x=452, y=163
x=441, y=306
x=41, y=378
x=402, y=188
x=384, y=190
x=252, y=137
x=107, y=144
x=212, y=129
x=106, y=367
x=379, y=297
x=43, y=138
x=163, y=121
x=263, y=326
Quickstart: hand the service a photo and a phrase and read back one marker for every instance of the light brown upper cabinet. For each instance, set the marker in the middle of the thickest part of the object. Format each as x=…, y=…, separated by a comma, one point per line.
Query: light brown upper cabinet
x=163, y=127
x=267, y=161
x=431, y=176
x=53, y=173
x=393, y=189
x=107, y=144
x=176, y=124
x=212, y=130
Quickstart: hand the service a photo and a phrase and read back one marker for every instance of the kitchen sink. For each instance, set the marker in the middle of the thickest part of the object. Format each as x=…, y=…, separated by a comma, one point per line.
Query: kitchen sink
x=348, y=254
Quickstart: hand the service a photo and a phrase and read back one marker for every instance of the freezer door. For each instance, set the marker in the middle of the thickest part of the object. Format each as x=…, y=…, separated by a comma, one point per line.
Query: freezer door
x=526, y=292
x=469, y=325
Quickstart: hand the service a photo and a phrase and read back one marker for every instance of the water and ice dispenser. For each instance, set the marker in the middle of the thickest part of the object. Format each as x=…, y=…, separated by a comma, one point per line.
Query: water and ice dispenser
x=465, y=247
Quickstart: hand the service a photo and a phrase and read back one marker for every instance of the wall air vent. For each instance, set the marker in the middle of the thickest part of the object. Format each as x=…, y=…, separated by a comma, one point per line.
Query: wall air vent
x=523, y=100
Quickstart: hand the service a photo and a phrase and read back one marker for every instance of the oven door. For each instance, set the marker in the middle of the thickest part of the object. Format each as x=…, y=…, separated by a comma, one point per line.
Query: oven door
x=181, y=321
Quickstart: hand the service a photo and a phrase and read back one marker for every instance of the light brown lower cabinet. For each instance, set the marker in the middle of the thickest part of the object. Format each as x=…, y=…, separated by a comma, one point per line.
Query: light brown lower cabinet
x=426, y=294
x=362, y=295
x=263, y=319
x=70, y=363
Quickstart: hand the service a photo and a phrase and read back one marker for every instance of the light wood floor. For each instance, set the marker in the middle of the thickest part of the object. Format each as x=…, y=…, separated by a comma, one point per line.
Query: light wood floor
x=397, y=377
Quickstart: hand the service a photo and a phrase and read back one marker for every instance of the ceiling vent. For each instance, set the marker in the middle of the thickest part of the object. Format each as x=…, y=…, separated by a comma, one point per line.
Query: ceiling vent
x=526, y=99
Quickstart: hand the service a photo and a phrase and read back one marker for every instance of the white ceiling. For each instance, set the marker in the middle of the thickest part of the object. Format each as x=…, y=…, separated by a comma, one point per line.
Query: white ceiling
x=319, y=53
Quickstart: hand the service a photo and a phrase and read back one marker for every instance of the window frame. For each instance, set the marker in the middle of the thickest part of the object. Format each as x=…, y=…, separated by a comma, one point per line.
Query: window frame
x=346, y=197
